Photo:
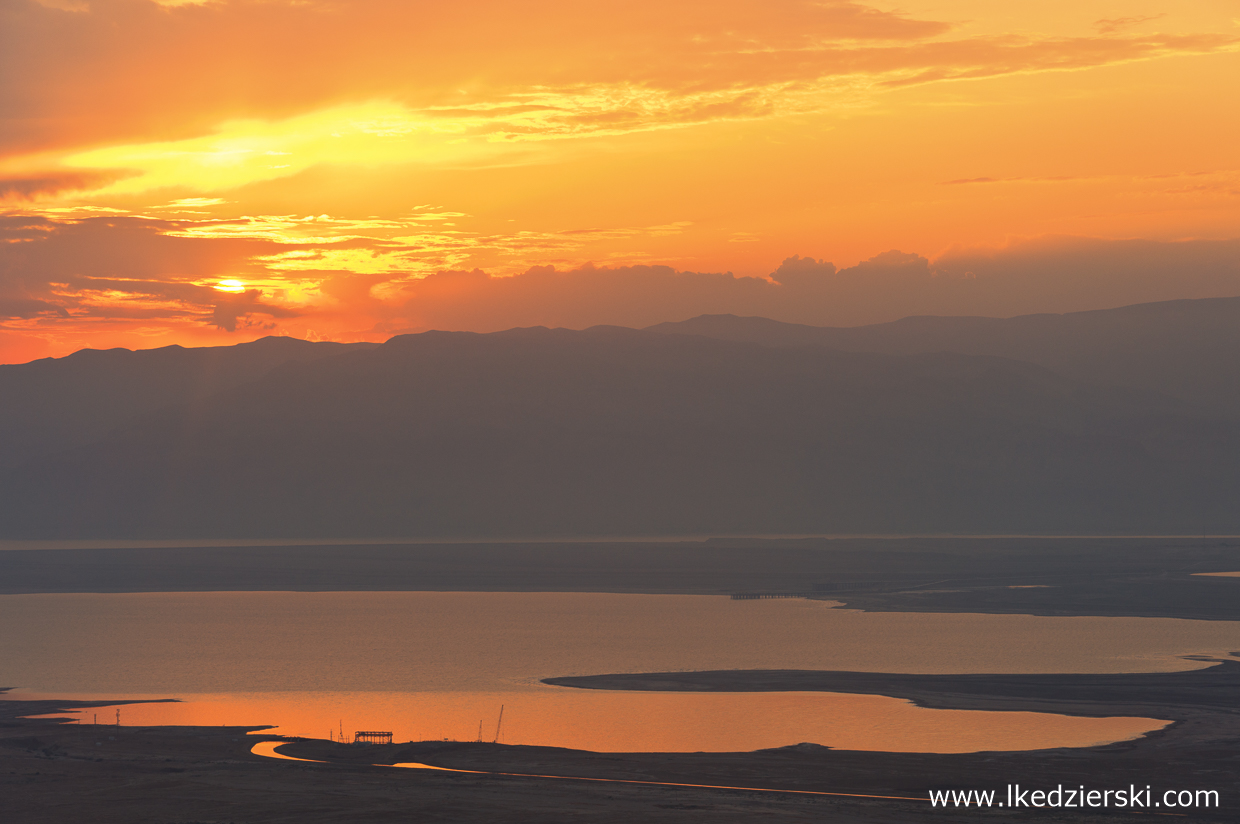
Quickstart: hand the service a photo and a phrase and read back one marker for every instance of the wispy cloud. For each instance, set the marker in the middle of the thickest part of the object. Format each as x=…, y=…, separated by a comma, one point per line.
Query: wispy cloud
x=614, y=74
x=1111, y=25
x=28, y=187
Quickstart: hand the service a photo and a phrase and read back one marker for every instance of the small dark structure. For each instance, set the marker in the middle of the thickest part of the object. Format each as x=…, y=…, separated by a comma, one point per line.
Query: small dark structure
x=372, y=738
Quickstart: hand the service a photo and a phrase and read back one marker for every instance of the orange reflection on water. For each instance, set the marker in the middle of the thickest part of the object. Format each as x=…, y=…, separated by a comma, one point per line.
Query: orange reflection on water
x=615, y=721
x=268, y=750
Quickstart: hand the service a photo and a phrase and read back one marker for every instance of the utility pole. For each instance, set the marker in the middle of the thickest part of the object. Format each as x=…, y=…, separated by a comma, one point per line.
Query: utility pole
x=499, y=724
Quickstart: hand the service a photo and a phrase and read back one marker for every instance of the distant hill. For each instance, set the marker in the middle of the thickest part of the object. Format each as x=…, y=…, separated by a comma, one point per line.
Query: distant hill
x=537, y=432
x=1186, y=348
x=54, y=403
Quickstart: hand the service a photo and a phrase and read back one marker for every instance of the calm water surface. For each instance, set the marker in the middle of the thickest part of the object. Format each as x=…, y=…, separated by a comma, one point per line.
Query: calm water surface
x=432, y=665
x=613, y=721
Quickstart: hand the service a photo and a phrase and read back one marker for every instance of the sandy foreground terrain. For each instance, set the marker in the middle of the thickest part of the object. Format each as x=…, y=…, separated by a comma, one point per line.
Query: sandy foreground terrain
x=54, y=772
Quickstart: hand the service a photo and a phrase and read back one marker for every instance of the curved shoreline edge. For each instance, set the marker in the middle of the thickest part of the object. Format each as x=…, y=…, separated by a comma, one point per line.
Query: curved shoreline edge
x=1168, y=695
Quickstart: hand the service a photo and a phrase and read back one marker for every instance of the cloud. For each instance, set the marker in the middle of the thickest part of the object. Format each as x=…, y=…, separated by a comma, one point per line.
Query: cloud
x=544, y=296
x=1011, y=54
x=1045, y=275
x=127, y=266
x=797, y=270
x=229, y=309
x=115, y=267
x=29, y=187
x=115, y=246
x=502, y=123
x=73, y=79
x=1113, y=24
x=438, y=74
x=1064, y=274
x=28, y=308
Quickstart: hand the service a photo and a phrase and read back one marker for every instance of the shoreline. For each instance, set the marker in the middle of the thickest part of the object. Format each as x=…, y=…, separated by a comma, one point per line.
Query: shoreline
x=1061, y=576
x=10, y=544
x=1084, y=695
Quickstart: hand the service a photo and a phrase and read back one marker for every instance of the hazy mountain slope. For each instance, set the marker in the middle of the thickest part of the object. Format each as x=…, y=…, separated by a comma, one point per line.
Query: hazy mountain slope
x=617, y=431
x=1186, y=348
x=51, y=404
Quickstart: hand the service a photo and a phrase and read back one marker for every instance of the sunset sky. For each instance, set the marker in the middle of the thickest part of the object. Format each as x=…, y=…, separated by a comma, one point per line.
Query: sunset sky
x=209, y=173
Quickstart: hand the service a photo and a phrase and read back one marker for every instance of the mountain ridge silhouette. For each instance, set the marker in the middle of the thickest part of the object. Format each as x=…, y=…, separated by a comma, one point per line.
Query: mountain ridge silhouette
x=617, y=431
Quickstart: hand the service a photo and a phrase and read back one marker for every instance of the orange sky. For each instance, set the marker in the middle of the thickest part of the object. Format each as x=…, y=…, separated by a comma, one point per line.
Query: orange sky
x=207, y=173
